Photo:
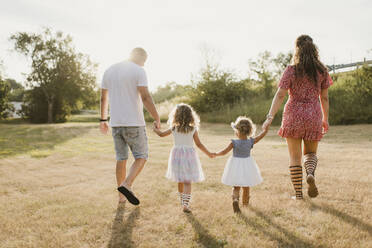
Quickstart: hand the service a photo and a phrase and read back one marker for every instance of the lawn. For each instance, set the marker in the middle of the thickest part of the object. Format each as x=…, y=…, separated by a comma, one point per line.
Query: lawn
x=58, y=189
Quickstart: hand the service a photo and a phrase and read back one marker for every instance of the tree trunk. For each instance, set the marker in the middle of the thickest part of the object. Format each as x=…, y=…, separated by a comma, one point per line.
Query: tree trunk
x=50, y=111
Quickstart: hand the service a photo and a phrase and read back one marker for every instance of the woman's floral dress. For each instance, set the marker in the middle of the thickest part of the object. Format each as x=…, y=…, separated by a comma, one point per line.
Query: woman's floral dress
x=302, y=116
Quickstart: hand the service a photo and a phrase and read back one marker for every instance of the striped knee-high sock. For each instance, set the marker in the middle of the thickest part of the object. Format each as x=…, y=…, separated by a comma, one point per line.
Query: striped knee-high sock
x=296, y=178
x=186, y=198
x=310, y=162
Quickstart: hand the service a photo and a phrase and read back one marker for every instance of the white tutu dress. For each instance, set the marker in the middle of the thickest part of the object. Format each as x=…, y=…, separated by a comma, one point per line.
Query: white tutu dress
x=241, y=169
x=184, y=164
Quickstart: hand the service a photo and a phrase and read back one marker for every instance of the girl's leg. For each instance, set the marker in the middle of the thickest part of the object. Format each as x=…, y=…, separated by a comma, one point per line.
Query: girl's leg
x=310, y=163
x=180, y=192
x=295, y=168
x=180, y=188
x=245, y=196
x=235, y=198
x=186, y=197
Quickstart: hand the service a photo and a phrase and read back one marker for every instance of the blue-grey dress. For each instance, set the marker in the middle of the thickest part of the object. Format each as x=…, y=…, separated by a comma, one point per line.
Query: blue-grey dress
x=241, y=169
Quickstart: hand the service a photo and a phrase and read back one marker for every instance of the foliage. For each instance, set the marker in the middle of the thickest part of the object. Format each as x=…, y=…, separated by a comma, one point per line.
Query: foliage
x=169, y=91
x=6, y=108
x=61, y=79
x=215, y=89
x=351, y=97
x=17, y=90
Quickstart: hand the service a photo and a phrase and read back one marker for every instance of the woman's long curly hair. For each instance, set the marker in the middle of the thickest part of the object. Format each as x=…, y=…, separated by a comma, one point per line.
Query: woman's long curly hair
x=183, y=118
x=244, y=126
x=306, y=59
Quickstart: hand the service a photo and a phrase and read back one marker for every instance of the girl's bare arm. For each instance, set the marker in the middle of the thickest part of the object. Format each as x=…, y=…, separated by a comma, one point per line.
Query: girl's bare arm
x=162, y=134
x=226, y=150
x=200, y=145
x=260, y=135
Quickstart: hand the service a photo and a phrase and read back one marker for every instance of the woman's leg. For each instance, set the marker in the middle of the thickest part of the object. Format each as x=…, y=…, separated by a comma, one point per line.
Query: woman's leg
x=245, y=196
x=235, y=198
x=310, y=163
x=186, y=197
x=295, y=168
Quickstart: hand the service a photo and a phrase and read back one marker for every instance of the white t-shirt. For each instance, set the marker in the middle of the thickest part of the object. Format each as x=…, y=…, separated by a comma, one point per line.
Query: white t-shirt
x=126, y=107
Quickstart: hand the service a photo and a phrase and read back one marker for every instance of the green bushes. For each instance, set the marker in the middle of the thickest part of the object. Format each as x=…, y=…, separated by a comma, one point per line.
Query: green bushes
x=351, y=97
x=218, y=97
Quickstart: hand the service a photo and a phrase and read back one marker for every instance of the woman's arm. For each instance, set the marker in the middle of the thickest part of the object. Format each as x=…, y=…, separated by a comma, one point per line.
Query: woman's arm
x=200, y=145
x=275, y=105
x=325, y=108
x=226, y=150
x=260, y=135
x=162, y=134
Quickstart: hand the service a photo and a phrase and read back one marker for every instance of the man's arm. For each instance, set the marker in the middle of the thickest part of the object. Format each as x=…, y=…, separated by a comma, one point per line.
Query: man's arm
x=149, y=104
x=104, y=110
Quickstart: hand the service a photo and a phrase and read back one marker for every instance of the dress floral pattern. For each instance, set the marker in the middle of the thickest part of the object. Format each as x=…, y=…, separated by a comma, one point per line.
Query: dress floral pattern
x=302, y=116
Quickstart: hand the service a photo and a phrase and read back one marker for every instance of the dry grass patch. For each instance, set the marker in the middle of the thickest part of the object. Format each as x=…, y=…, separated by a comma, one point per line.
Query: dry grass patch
x=58, y=189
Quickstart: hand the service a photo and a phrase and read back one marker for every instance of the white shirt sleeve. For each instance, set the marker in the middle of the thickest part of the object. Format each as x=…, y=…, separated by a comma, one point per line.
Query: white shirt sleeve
x=104, y=83
x=142, y=78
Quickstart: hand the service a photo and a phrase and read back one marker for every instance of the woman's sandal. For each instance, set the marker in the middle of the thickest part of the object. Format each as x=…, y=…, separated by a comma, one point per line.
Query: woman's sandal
x=312, y=191
x=129, y=195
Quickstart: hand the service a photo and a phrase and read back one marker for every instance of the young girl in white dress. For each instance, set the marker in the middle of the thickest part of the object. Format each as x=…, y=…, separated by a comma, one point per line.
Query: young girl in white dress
x=184, y=166
x=241, y=169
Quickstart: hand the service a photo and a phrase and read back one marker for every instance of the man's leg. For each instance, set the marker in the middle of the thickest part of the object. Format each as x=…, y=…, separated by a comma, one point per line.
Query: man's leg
x=135, y=169
x=121, y=166
x=121, y=150
x=136, y=138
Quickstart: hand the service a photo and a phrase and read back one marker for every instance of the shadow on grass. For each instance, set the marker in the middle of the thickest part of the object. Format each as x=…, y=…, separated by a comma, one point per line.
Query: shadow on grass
x=19, y=139
x=264, y=224
x=121, y=234
x=202, y=234
x=343, y=216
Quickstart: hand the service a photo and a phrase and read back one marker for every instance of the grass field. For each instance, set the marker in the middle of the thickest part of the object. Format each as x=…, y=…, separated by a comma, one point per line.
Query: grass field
x=58, y=189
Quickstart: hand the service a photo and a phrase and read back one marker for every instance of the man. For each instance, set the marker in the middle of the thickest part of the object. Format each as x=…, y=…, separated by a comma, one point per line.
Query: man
x=125, y=84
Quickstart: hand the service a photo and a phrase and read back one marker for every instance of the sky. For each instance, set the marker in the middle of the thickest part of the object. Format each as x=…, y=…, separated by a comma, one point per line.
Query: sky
x=175, y=32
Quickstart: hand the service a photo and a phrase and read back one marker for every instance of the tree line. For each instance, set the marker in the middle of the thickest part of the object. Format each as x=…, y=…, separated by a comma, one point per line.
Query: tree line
x=62, y=81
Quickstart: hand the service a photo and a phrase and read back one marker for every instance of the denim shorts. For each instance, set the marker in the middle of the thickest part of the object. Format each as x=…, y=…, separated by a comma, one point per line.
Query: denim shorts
x=134, y=137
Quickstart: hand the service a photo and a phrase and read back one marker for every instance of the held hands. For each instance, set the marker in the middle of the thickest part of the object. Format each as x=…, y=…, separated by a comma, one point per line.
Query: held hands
x=212, y=154
x=156, y=128
x=157, y=124
x=266, y=124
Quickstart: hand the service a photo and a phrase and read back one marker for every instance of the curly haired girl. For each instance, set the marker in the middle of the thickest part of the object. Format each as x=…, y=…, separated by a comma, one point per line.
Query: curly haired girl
x=184, y=166
x=241, y=169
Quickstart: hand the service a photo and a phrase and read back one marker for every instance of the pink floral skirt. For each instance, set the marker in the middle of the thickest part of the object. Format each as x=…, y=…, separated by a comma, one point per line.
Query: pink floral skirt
x=302, y=121
x=184, y=165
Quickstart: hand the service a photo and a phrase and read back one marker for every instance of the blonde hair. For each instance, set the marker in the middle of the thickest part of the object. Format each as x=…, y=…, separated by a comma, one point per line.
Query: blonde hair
x=183, y=118
x=137, y=53
x=244, y=125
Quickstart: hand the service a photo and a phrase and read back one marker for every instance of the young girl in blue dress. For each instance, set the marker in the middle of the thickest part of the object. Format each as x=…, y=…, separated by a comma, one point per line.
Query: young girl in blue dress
x=184, y=166
x=241, y=169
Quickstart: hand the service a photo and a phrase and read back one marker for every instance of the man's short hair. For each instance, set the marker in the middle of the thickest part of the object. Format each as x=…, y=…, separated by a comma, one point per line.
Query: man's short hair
x=138, y=52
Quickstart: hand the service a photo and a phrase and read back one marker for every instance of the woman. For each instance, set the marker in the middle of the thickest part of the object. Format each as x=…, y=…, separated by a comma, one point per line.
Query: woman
x=304, y=117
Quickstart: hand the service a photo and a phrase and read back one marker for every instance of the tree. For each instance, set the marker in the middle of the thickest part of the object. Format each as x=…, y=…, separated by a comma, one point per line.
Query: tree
x=17, y=90
x=262, y=67
x=281, y=61
x=61, y=79
x=169, y=91
x=6, y=108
